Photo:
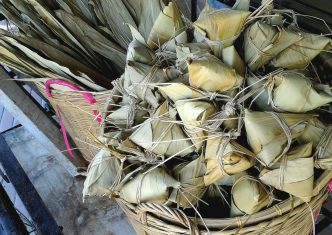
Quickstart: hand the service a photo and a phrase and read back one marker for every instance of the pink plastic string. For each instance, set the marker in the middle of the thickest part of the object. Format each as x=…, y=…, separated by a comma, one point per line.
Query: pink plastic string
x=87, y=96
x=329, y=186
x=64, y=133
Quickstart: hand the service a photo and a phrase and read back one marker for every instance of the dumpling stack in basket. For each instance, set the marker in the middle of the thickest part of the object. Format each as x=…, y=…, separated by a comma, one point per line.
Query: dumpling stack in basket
x=220, y=115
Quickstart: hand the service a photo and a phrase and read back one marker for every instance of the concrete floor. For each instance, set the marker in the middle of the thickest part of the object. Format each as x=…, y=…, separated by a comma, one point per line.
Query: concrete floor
x=62, y=193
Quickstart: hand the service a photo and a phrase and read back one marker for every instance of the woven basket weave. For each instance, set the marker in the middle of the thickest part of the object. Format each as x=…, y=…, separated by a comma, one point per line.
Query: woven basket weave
x=77, y=117
x=291, y=217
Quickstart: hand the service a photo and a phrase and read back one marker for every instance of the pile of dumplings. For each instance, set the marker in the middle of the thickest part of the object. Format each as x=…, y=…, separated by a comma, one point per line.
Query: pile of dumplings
x=224, y=107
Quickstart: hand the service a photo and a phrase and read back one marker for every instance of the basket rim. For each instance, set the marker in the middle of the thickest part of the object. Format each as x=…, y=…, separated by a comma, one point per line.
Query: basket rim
x=278, y=210
x=215, y=224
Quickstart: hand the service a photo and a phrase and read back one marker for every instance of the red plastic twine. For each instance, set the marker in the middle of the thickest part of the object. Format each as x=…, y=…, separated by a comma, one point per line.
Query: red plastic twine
x=87, y=96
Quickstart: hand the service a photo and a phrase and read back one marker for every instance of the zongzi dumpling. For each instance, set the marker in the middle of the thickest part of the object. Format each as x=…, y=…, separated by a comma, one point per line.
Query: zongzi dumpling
x=296, y=176
x=102, y=174
x=249, y=195
x=234, y=159
x=210, y=74
x=300, y=54
x=153, y=187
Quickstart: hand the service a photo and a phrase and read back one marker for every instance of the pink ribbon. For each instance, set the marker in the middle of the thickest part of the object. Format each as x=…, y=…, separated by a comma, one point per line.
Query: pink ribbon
x=87, y=96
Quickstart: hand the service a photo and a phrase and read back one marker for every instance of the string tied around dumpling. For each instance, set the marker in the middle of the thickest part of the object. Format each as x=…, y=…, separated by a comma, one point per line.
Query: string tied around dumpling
x=287, y=133
x=228, y=110
x=222, y=148
x=283, y=167
x=266, y=188
x=118, y=85
x=322, y=147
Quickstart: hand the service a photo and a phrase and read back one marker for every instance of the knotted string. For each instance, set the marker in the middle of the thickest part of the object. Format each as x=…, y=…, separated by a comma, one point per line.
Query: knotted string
x=287, y=132
x=269, y=192
x=322, y=147
x=222, y=148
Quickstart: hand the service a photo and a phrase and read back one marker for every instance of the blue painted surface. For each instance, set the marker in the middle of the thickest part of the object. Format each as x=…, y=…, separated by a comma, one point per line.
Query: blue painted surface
x=218, y=5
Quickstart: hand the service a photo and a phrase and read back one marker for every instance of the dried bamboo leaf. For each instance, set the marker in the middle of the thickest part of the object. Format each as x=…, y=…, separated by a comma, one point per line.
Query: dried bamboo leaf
x=267, y=137
x=249, y=195
x=208, y=73
x=179, y=91
x=231, y=58
x=115, y=22
x=223, y=25
x=263, y=42
x=139, y=80
x=292, y=92
x=320, y=136
x=300, y=54
x=16, y=20
x=60, y=57
x=297, y=174
x=56, y=26
x=193, y=114
x=53, y=66
x=22, y=63
x=82, y=9
x=233, y=160
x=168, y=24
x=190, y=175
x=185, y=51
x=151, y=187
x=101, y=175
x=93, y=40
x=139, y=52
x=144, y=13
x=241, y=5
x=43, y=31
x=162, y=135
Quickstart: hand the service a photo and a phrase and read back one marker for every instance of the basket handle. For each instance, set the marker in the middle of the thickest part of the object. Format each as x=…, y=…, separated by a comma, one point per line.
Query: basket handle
x=174, y=214
x=87, y=96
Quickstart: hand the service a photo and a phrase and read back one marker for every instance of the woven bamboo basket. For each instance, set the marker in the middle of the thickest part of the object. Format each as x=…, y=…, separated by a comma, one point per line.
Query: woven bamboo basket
x=291, y=217
x=78, y=118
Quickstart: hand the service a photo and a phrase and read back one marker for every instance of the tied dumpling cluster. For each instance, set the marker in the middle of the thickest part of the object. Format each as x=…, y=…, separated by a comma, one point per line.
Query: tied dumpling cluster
x=227, y=108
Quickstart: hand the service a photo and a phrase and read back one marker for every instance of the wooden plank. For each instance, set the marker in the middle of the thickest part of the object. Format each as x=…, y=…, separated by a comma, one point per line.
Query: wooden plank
x=19, y=104
x=39, y=213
